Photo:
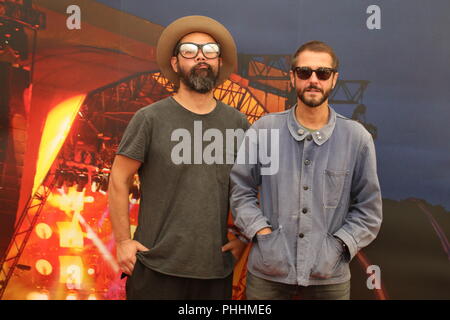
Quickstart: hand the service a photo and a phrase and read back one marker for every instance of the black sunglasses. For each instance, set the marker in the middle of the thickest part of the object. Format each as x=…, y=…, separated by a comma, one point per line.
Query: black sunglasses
x=305, y=73
x=190, y=50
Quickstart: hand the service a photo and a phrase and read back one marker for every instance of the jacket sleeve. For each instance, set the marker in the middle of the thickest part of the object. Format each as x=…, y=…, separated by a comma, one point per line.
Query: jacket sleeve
x=245, y=179
x=363, y=221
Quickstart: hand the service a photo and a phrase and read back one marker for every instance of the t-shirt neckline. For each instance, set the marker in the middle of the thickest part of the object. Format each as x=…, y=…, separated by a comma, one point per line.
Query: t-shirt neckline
x=213, y=111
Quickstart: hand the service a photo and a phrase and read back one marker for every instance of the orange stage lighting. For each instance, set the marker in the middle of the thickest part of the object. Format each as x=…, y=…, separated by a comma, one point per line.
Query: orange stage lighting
x=57, y=126
x=92, y=296
x=68, y=202
x=72, y=296
x=43, y=295
x=91, y=271
x=44, y=267
x=70, y=234
x=71, y=271
x=43, y=231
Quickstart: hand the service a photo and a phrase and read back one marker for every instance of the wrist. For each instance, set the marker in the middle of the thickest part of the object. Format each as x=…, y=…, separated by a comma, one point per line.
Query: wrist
x=343, y=245
x=265, y=230
x=233, y=230
x=123, y=240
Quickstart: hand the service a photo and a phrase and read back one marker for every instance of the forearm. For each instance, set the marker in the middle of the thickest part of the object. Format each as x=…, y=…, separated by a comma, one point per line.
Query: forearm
x=118, y=198
x=362, y=224
x=248, y=216
x=363, y=221
x=251, y=221
x=265, y=230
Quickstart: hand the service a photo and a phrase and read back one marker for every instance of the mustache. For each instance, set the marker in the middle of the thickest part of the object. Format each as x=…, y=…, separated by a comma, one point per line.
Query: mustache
x=313, y=87
x=201, y=64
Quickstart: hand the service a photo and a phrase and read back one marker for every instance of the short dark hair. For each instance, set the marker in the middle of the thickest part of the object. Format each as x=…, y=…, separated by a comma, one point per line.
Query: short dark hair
x=316, y=46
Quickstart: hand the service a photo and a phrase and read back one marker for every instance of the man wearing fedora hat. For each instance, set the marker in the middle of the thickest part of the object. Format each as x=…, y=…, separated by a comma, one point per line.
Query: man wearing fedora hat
x=180, y=249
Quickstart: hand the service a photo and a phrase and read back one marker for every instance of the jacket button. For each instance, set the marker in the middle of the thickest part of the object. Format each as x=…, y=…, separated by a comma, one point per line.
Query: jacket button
x=301, y=235
x=305, y=210
x=309, y=138
x=307, y=162
x=305, y=187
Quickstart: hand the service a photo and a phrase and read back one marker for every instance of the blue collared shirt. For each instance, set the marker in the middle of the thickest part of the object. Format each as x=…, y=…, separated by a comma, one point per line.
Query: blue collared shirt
x=325, y=186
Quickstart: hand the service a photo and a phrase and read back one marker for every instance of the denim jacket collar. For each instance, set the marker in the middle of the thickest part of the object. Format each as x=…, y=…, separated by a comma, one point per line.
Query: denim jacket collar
x=319, y=136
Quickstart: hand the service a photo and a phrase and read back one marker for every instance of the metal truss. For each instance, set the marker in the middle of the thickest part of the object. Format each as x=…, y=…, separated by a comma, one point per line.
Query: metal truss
x=22, y=232
x=270, y=73
x=259, y=69
x=242, y=99
x=348, y=92
x=106, y=111
x=352, y=92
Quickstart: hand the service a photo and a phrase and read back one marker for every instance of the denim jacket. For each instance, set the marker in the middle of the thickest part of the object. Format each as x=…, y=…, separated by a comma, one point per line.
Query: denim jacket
x=325, y=186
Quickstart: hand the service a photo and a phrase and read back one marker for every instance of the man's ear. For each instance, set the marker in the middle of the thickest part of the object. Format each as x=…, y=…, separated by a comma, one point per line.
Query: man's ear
x=292, y=77
x=174, y=63
x=336, y=75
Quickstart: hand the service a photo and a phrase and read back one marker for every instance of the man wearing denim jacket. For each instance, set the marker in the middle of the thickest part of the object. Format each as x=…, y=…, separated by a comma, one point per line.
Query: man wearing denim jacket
x=320, y=200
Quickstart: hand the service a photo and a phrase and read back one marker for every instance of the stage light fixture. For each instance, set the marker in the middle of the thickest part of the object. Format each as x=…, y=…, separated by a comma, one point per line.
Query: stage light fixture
x=24, y=12
x=70, y=178
x=82, y=179
x=71, y=271
x=89, y=158
x=13, y=37
x=104, y=184
x=70, y=235
x=92, y=297
x=72, y=296
x=60, y=179
x=43, y=231
x=78, y=156
x=96, y=180
x=44, y=267
x=34, y=295
x=91, y=271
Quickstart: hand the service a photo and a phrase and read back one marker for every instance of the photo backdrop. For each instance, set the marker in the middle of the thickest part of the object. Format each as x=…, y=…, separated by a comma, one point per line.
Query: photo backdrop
x=72, y=74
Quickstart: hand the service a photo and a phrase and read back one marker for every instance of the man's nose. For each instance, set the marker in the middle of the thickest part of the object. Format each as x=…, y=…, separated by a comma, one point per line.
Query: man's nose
x=200, y=56
x=313, y=78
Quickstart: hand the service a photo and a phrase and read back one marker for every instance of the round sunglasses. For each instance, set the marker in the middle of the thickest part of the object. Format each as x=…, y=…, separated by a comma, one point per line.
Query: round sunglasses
x=305, y=73
x=190, y=50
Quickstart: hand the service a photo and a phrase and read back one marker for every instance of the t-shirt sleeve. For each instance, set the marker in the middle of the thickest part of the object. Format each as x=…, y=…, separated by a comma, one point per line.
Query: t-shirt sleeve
x=136, y=139
x=245, y=123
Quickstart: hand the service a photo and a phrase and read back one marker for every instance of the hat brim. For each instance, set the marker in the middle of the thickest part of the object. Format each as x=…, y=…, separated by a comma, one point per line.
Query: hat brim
x=183, y=26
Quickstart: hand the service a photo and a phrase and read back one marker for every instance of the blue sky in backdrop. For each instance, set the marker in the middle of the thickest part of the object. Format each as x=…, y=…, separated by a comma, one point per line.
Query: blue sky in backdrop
x=407, y=63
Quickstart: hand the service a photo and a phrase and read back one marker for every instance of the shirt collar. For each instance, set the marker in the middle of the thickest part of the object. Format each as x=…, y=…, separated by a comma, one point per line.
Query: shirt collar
x=319, y=136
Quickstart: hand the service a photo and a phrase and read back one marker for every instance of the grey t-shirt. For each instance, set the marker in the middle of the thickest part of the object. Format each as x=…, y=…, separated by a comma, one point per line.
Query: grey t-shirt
x=184, y=207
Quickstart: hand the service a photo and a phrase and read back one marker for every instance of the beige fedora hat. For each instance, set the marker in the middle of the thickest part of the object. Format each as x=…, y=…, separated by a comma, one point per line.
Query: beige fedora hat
x=185, y=25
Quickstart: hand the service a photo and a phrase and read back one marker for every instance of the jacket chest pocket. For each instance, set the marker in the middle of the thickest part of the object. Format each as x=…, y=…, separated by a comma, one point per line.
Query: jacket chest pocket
x=333, y=184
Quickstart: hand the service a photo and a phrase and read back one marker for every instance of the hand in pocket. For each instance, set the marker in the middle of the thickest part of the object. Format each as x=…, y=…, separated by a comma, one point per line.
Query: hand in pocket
x=328, y=259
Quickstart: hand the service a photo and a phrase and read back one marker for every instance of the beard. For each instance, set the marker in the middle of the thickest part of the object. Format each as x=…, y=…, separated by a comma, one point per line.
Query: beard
x=315, y=101
x=201, y=80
